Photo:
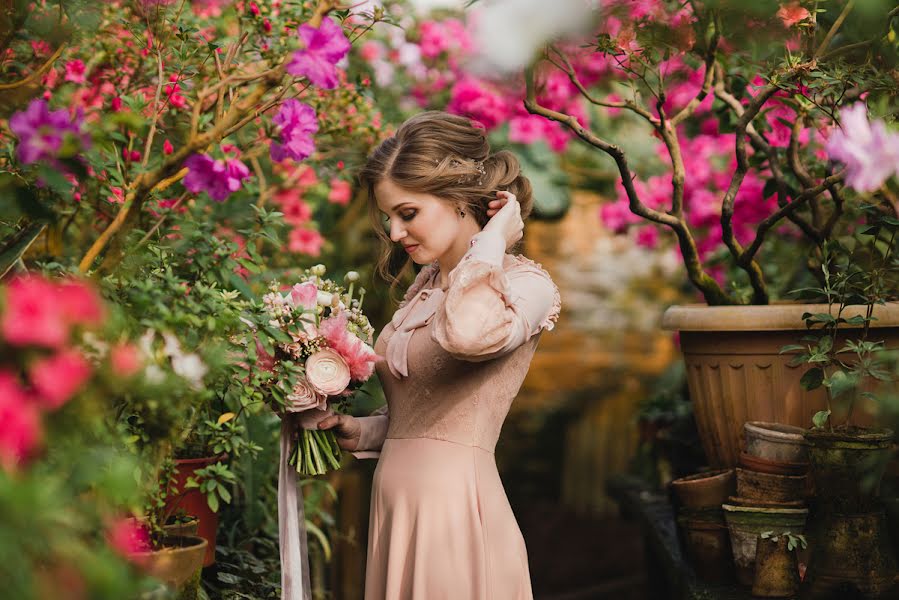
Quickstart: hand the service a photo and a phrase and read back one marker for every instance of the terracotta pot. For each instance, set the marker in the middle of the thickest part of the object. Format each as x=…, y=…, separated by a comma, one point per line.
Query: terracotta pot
x=704, y=490
x=184, y=528
x=745, y=523
x=738, y=501
x=851, y=557
x=707, y=544
x=176, y=562
x=775, y=441
x=735, y=371
x=762, y=465
x=847, y=468
x=769, y=487
x=193, y=502
x=776, y=569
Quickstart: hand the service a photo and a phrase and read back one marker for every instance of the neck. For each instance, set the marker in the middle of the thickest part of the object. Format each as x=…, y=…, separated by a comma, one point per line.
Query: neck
x=453, y=256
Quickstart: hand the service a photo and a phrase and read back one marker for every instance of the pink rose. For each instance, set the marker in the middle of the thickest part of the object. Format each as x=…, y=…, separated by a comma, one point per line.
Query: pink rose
x=304, y=397
x=303, y=295
x=58, y=377
x=327, y=372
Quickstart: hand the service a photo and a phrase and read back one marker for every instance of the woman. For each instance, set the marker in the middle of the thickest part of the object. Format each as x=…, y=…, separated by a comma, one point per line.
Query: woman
x=456, y=353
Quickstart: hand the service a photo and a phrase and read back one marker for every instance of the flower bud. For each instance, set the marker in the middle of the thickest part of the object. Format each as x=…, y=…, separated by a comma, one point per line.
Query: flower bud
x=351, y=277
x=318, y=270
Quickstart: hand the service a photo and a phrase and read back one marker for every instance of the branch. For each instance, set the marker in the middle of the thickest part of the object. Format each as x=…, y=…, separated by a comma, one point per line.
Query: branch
x=690, y=108
x=833, y=29
x=708, y=286
x=40, y=71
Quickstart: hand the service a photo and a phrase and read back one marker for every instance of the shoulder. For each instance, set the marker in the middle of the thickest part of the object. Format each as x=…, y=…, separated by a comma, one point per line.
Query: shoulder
x=536, y=282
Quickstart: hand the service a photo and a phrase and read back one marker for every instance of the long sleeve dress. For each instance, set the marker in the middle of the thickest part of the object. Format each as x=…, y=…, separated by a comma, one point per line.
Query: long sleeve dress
x=440, y=523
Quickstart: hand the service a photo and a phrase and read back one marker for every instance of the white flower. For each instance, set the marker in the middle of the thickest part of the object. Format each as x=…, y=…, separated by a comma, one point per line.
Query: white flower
x=190, y=367
x=327, y=372
x=507, y=33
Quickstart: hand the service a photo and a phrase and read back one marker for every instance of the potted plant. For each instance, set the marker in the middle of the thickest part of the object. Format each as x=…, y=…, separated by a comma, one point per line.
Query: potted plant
x=739, y=217
x=777, y=565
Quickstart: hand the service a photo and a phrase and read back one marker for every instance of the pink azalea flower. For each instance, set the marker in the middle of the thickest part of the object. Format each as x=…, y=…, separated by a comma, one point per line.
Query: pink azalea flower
x=215, y=177
x=33, y=314
x=296, y=211
x=526, y=129
x=296, y=123
x=80, y=302
x=869, y=151
x=167, y=147
x=117, y=197
x=127, y=537
x=358, y=355
x=473, y=98
x=341, y=192
x=75, y=71
x=58, y=377
x=20, y=423
x=304, y=294
x=648, y=236
x=792, y=13
x=324, y=47
x=305, y=241
x=125, y=359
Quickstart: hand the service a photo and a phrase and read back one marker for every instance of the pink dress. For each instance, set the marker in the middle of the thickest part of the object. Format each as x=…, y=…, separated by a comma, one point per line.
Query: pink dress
x=440, y=523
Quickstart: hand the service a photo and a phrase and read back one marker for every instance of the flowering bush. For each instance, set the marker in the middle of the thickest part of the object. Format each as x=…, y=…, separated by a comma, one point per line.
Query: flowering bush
x=743, y=155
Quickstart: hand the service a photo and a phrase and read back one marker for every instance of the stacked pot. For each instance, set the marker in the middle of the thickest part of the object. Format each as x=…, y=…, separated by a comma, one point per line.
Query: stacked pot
x=852, y=555
x=772, y=489
x=701, y=525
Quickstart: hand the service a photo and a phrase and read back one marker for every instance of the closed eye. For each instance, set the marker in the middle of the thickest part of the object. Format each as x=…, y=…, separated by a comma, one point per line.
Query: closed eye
x=409, y=215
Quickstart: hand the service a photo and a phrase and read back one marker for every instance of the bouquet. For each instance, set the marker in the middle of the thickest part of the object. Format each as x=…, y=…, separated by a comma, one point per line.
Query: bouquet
x=319, y=353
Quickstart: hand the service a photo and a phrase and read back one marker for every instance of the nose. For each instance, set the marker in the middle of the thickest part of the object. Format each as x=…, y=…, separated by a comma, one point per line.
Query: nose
x=397, y=232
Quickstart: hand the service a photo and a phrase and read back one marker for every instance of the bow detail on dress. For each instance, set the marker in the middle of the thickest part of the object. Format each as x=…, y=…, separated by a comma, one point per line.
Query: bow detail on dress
x=417, y=312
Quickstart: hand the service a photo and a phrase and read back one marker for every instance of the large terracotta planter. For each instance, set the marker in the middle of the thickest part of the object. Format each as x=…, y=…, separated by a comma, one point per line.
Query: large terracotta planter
x=176, y=562
x=736, y=373
x=193, y=502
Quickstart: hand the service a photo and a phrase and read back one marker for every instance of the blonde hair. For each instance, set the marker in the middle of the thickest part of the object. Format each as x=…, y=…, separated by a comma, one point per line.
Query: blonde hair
x=445, y=155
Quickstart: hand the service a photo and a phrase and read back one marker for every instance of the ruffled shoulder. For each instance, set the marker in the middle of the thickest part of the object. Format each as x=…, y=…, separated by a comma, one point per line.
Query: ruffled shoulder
x=521, y=263
x=420, y=281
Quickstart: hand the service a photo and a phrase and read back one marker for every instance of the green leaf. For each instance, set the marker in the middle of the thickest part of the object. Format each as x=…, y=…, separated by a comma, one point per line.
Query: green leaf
x=791, y=348
x=840, y=383
x=812, y=379
x=213, y=502
x=820, y=418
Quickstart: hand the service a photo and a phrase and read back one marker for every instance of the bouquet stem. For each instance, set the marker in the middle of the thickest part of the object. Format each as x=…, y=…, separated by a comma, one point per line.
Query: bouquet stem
x=316, y=452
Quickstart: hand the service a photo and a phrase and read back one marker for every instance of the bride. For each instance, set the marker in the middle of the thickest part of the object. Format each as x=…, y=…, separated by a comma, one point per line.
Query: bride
x=455, y=354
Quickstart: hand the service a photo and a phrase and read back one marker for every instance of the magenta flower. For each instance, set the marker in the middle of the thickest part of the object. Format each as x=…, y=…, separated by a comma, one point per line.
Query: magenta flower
x=41, y=132
x=215, y=177
x=33, y=315
x=305, y=241
x=323, y=48
x=128, y=537
x=20, y=422
x=474, y=98
x=297, y=123
x=869, y=151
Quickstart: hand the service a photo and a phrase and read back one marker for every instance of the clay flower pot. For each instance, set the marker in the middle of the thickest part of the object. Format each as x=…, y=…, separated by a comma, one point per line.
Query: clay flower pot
x=707, y=544
x=704, y=490
x=847, y=467
x=193, y=502
x=776, y=467
x=775, y=441
x=768, y=487
x=776, y=569
x=176, y=562
x=746, y=523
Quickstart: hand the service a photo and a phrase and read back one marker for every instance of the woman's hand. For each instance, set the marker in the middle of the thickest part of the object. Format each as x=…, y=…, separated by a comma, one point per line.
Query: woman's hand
x=505, y=218
x=346, y=428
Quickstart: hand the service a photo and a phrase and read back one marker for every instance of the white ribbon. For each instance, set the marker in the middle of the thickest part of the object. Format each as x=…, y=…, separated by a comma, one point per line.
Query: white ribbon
x=295, y=583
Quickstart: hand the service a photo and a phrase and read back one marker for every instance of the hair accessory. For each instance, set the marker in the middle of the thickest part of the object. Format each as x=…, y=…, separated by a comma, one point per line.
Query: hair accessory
x=478, y=165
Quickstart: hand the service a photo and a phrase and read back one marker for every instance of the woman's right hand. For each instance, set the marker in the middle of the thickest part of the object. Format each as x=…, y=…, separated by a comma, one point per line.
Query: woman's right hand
x=347, y=429
x=505, y=218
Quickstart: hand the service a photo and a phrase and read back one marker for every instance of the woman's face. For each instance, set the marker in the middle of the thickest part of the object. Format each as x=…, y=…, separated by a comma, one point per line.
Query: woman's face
x=427, y=226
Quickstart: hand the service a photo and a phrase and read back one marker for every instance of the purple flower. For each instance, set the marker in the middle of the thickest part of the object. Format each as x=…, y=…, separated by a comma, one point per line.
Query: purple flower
x=869, y=151
x=215, y=177
x=296, y=122
x=323, y=48
x=41, y=132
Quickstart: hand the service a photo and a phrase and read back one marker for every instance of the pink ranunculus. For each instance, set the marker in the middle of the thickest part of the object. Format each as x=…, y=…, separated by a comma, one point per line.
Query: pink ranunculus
x=20, y=423
x=341, y=192
x=128, y=537
x=304, y=397
x=305, y=241
x=125, y=359
x=304, y=295
x=324, y=47
x=792, y=13
x=327, y=372
x=58, y=377
x=33, y=313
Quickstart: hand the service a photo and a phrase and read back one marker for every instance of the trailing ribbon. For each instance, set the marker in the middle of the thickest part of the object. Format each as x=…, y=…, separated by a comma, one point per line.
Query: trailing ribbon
x=295, y=584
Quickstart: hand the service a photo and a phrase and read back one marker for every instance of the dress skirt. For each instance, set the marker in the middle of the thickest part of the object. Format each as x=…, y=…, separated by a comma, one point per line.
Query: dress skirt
x=441, y=526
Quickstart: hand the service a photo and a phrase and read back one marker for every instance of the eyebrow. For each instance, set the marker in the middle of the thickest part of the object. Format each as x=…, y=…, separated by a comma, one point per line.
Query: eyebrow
x=399, y=206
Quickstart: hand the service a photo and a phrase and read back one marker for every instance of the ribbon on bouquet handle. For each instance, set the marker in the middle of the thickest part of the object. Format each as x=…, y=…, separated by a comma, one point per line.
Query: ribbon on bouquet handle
x=295, y=584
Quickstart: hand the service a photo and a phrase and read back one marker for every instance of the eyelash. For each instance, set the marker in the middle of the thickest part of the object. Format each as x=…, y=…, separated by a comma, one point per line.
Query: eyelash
x=409, y=216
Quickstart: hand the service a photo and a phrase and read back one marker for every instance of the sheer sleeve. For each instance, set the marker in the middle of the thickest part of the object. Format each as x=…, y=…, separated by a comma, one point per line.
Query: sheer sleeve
x=490, y=310
x=374, y=432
